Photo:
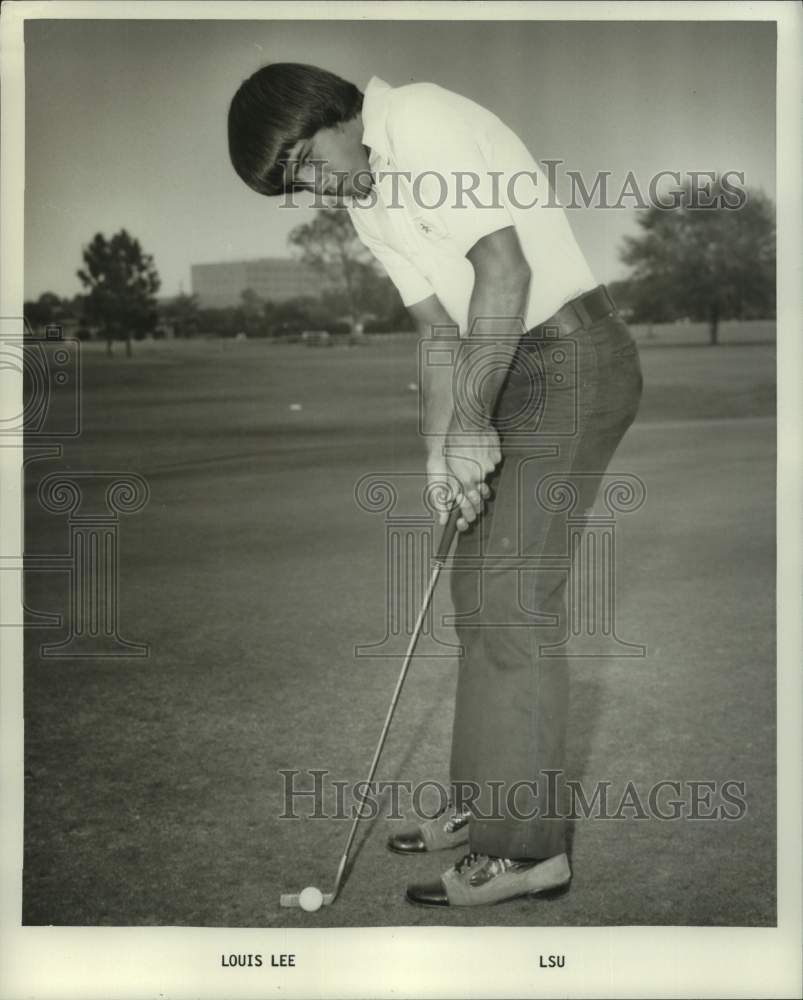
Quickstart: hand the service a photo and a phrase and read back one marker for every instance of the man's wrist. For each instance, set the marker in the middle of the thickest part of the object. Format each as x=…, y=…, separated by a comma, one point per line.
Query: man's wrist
x=436, y=441
x=435, y=445
x=469, y=423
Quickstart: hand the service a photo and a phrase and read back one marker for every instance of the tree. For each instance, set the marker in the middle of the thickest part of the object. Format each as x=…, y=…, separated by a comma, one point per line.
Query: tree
x=122, y=283
x=46, y=309
x=354, y=284
x=182, y=314
x=705, y=263
x=250, y=314
x=290, y=316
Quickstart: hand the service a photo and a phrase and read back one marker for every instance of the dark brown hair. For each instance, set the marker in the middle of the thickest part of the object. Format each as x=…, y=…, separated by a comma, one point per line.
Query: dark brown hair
x=275, y=108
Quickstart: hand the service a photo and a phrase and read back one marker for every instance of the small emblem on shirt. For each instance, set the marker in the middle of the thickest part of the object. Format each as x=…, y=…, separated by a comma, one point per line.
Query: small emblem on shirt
x=430, y=227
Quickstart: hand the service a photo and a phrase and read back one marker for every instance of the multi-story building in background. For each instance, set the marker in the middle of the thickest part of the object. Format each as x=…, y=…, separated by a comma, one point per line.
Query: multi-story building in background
x=274, y=279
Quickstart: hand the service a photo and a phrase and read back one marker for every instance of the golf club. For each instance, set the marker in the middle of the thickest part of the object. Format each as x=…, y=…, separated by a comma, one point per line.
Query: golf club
x=311, y=898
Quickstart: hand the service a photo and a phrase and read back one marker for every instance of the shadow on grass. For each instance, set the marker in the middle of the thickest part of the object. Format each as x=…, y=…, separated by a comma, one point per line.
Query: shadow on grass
x=582, y=731
x=691, y=343
x=415, y=740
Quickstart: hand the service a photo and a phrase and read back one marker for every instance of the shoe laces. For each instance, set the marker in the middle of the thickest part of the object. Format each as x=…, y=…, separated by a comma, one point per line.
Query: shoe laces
x=456, y=821
x=494, y=866
x=469, y=861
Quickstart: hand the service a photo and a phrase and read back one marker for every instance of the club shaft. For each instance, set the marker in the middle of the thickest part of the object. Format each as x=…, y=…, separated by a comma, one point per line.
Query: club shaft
x=437, y=566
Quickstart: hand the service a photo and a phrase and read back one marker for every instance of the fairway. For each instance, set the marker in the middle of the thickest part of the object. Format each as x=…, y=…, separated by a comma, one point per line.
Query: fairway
x=152, y=788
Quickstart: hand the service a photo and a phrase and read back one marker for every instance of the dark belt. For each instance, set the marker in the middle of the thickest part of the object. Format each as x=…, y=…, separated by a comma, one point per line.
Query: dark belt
x=578, y=314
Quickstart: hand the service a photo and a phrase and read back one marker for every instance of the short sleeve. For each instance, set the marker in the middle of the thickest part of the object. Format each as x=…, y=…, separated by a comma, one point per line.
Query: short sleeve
x=410, y=283
x=452, y=177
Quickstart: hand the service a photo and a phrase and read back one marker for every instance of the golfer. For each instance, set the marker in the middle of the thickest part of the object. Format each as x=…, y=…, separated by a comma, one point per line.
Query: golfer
x=534, y=381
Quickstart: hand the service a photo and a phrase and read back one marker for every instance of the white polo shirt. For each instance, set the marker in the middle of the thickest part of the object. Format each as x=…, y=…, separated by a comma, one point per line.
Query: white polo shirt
x=469, y=175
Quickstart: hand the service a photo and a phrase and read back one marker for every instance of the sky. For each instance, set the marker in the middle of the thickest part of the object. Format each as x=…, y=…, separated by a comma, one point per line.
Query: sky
x=126, y=120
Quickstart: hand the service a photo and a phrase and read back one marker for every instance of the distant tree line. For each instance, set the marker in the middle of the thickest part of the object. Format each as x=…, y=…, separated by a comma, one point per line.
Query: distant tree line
x=120, y=284
x=686, y=262
x=705, y=264
x=261, y=318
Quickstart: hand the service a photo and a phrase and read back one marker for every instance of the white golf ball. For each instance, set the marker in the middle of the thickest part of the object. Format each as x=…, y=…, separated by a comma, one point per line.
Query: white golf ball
x=310, y=899
x=295, y=406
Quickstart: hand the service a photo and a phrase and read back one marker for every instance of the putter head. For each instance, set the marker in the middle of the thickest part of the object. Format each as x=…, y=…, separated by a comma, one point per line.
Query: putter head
x=291, y=898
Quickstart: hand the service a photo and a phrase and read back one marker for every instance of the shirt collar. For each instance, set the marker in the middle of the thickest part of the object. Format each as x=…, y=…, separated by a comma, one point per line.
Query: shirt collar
x=374, y=117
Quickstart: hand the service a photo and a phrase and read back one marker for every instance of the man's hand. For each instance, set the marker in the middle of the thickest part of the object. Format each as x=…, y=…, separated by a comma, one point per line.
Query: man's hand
x=461, y=456
x=458, y=475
